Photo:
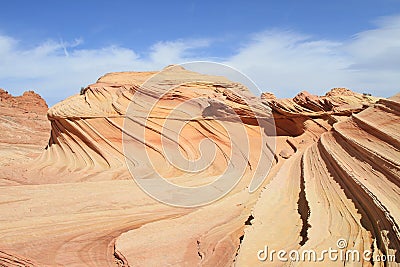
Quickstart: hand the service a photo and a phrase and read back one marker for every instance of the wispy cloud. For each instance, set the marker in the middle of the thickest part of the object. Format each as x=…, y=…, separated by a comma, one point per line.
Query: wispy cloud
x=277, y=60
x=285, y=62
x=57, y=69
x=171, y=52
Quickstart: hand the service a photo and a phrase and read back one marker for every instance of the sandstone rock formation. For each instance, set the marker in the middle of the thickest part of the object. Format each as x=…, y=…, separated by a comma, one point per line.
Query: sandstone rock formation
x=334, y=175
x=24, y=130
x=344, y=185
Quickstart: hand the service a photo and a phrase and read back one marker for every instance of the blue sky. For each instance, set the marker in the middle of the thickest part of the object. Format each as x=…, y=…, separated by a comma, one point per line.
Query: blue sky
x=55, y=47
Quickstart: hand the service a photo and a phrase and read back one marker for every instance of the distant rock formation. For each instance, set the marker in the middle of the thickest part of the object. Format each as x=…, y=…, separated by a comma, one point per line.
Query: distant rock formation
x=23, y=118
x=29, y=101
x=24, y=131
x=290, y=114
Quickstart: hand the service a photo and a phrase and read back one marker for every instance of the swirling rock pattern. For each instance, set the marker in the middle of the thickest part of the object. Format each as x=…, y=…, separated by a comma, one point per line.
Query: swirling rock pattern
x=335, y=175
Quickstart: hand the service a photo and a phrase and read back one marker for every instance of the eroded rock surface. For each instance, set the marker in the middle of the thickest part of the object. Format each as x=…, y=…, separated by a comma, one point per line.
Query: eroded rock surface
x=24, y=131
x=335, y=174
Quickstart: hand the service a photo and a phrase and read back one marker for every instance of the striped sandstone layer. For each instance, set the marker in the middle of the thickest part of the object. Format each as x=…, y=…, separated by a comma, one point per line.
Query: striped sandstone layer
x=334, y=174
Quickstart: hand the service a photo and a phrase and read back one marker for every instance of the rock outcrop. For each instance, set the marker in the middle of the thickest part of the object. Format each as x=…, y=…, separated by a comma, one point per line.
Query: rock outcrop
x=24, y=131
x=23, y=118
x=290, y=114
x=333, y=160
x=343, y=186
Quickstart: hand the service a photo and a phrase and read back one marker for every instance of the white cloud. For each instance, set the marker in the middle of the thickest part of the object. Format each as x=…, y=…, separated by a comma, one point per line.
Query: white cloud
x=284, y=62
x=57, y=69
x=174, y=52
x=378, y=49
x=6, y=44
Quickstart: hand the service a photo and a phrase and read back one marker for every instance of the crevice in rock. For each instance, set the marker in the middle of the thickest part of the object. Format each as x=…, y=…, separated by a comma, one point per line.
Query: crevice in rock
x=240, y=243
x=120, y=261
x=371, y=260
x=198, y=250
x=291, y=144
x=248, y=221
x=303, y=208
